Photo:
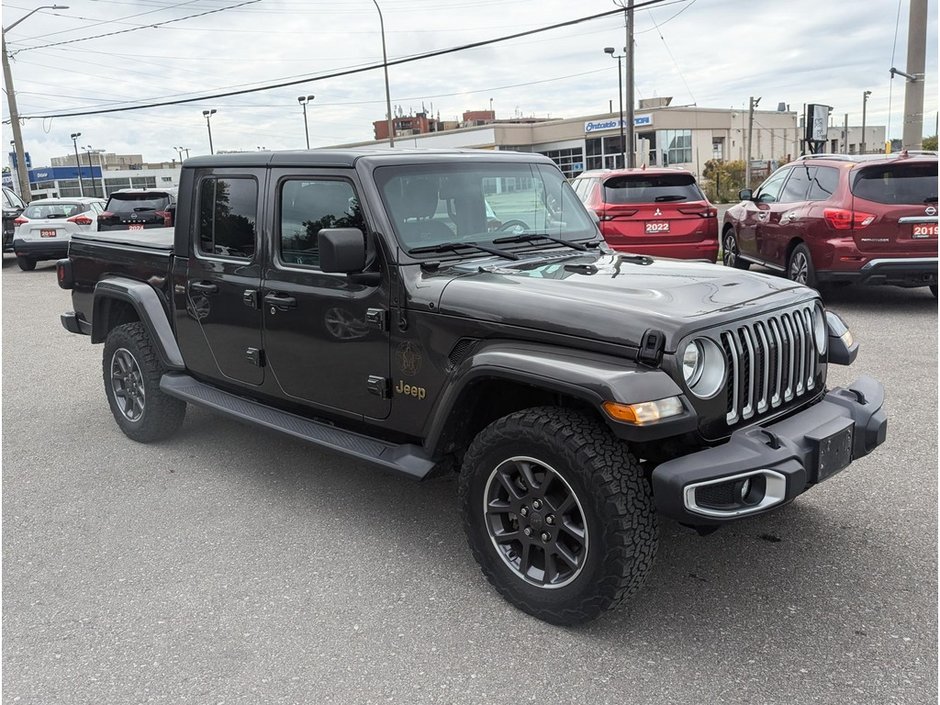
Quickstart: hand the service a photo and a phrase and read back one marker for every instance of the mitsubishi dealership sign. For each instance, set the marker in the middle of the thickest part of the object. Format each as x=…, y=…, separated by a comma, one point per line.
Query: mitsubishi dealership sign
x=614, y=124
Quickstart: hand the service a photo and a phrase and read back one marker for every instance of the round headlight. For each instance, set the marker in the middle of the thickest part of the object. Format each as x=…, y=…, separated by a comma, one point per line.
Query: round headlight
x=820, y=330
x=703, y=366
x=691, y=363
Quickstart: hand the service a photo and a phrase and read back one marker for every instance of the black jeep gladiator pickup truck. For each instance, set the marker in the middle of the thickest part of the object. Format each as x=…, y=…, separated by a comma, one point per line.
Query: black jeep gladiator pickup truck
x=459, y=311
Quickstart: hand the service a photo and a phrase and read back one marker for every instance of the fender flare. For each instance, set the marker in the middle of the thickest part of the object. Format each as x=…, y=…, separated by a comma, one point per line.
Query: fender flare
x=150, y=309
x=590, y=377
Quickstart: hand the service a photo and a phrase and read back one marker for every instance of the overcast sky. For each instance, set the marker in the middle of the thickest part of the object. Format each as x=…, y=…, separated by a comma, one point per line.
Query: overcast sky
x=713, y=53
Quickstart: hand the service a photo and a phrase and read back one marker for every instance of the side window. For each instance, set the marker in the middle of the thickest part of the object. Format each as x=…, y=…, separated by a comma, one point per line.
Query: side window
x=227, y=211
x=306, y=207
x=769, y=191
x=824, y=183
x=795, y=188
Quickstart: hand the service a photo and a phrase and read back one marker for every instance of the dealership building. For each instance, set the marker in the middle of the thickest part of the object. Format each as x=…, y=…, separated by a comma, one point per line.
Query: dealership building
x=679, y=136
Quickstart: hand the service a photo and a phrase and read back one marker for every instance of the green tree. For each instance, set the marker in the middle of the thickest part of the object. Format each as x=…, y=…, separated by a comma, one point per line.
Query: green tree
x=930, y=142
x=721, y=180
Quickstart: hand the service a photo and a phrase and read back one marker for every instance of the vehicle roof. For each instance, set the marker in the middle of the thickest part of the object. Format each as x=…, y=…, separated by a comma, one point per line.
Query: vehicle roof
x=145, y=189
x=866, y=159
x=638, y=171
x=64, y=199
x=349, y=157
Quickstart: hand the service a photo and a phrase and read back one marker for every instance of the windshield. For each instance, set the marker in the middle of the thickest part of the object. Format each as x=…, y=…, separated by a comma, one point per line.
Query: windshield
x=131, y=202
x=478, y=202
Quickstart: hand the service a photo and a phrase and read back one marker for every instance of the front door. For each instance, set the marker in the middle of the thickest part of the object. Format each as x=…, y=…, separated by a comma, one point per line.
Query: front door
x=325, y=337
x=223, y=278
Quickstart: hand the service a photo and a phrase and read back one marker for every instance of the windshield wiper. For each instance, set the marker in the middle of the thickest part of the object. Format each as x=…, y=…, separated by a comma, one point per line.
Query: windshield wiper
x=528, y=237
x=445, y=246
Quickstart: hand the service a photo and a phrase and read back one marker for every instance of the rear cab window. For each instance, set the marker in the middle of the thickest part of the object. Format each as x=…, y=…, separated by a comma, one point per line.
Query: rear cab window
x=651, y=188
x=911, y=183
x=228, y=208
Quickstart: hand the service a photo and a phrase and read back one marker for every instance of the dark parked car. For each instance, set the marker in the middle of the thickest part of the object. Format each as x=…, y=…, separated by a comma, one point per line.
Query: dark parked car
x=13, y=206
x=658, y=212
x=837, y=218
x=138, y=209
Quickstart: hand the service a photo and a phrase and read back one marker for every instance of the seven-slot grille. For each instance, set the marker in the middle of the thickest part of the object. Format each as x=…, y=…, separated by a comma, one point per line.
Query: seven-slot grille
x=770, y=362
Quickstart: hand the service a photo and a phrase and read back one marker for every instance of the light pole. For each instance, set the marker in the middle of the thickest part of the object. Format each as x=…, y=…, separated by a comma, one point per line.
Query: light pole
x=81, y=185
x=864, y=115
x=752, y=103
x=388, y=95
x=22, y=172
x=89, y=150
x=208, y=114
x=303, y=100
x=618, y=57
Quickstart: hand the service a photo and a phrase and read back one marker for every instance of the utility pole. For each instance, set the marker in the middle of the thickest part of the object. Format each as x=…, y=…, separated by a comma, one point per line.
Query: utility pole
x=618, y=57
x=845, y=135
x=81, y=185
x=864, y=115
x=388, y=95
x=752, y=103
x=631, y=139
x=913, y=136
x=22, y=172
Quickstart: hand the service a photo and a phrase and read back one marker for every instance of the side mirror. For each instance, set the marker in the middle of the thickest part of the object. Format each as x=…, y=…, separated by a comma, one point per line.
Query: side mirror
x=746, y=194
x=342, y=250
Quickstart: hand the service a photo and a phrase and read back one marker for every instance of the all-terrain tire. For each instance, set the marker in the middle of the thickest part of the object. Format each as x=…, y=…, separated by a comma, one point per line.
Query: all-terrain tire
x=132, y=372
x=614, y=500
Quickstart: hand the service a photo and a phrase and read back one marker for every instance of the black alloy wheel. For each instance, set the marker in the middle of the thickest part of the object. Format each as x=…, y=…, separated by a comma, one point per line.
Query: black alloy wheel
x=536, y=522
x=132, y=370
x=558, y=513
x=127, y=385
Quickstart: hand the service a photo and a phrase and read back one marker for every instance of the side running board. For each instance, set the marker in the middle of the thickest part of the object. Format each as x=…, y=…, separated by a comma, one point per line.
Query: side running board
x=407, y=459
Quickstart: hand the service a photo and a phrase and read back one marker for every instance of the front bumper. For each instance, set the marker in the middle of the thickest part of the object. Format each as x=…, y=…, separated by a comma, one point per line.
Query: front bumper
x=782, y=460
x=52, y=248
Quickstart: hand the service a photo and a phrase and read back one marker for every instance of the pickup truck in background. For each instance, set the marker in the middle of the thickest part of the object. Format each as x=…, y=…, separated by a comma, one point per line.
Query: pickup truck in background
x=433, y=312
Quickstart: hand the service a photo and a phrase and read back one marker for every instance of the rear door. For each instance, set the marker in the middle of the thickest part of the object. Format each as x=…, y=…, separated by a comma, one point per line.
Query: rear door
x=325, y=336
x=644, y=211
x=220, y=335
x=895, y=208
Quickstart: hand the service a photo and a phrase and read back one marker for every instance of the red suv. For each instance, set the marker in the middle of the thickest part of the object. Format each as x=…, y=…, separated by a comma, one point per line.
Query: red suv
x=837, y=218
x=659, y=212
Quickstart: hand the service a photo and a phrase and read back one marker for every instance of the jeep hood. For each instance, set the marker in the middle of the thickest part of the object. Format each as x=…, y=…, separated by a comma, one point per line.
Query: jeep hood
x=613, y=297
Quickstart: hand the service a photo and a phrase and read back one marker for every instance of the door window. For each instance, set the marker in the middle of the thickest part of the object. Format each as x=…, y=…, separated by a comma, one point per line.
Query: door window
x=824, y=183
x=306, y=207
x=228, y=208
x=769, y=191
x=797, y=184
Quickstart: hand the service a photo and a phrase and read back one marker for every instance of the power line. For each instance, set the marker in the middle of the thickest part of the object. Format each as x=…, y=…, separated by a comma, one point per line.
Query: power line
x=656, y=27
x=351, y=71
x=134, y=29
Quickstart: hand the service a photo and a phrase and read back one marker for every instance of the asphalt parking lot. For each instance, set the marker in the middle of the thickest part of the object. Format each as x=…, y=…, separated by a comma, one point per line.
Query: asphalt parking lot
x=229, y=565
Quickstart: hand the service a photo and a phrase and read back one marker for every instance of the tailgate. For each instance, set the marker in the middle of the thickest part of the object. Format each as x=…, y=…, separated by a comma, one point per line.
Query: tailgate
x=895, y=208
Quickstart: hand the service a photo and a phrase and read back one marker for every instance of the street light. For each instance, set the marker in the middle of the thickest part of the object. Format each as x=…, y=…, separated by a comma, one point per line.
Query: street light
x=81, y=185
x=864, y=110
x=89, y=150
x=388, y=98
x=618, y=57
x=22, y=172
x=303, y=100
x=208, y=114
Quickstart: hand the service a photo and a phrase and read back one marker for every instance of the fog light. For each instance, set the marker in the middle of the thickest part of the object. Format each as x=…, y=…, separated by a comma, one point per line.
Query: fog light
x=644, y=412
x=744, y=489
